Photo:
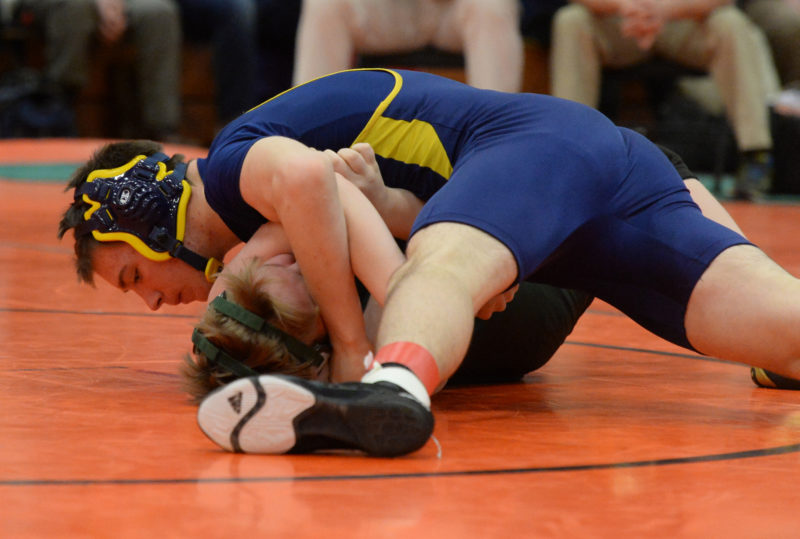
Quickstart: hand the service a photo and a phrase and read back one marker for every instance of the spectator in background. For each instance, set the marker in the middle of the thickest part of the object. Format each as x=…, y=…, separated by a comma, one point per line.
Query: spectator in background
x=153, y=26
x=231, y=27
x=707, y=34
x=277, y=26
x=780, y=21
x=332, y=32
x=537, y=18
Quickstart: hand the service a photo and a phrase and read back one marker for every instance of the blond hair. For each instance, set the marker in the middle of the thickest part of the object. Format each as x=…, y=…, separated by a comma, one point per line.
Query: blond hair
x=263, y=352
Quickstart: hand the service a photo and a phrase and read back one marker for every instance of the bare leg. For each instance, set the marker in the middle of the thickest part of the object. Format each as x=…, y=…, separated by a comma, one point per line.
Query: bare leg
x=487, y=31
x=452, y=270
x=709, y=205
x=324, y=39
x=746, y=308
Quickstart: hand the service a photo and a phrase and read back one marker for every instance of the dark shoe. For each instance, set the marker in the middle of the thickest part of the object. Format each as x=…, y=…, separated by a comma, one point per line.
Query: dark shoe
x=754, y=177
x=285, y=414
x=765, y=378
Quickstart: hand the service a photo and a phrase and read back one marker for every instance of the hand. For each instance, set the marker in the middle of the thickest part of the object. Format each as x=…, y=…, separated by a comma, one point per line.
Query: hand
x=347, y=364
x=112, y=19
x=642, y=20
x=497, y=304
x=357, y=164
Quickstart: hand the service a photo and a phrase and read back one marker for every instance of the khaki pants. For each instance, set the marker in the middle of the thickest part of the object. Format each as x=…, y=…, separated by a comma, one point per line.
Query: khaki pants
x=780, y=22
x=153, y=27
x=726, y=43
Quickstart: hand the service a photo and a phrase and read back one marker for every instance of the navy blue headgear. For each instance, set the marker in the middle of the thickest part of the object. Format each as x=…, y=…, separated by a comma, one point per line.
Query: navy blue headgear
x=143, y=204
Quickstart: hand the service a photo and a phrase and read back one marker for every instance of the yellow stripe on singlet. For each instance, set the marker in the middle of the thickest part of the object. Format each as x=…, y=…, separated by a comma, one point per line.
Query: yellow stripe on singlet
x=415, y=142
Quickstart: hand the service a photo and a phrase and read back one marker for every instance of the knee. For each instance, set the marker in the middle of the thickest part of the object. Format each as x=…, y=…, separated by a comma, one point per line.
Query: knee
x=500, y=14
x=323, y=11
x=572, y=18
x=156, y=15
x=419, y=263
x=428, y=265
x=75, y=10
x=467, y=266
x=728, y=21
x=80, y=15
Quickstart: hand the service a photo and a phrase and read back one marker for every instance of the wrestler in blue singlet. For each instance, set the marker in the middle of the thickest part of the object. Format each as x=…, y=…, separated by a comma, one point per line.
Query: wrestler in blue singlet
x=580, y=202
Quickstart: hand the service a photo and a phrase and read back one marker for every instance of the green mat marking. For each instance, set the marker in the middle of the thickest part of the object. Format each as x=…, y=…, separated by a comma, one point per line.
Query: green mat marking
x=39, y=172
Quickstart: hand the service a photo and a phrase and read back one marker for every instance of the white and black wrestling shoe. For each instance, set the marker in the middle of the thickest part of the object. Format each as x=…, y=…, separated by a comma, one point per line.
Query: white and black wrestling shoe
x=285, y=414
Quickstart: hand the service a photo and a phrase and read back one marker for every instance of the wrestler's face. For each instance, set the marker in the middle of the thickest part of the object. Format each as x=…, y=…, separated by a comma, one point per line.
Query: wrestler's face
x=170, y=282
x=284, y=283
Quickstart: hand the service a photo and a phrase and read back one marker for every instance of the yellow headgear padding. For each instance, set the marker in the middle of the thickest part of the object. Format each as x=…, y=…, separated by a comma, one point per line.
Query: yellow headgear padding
x=144, y=205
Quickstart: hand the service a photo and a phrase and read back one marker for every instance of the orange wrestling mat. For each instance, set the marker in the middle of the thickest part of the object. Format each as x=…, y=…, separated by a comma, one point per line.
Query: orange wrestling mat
x=620, y=435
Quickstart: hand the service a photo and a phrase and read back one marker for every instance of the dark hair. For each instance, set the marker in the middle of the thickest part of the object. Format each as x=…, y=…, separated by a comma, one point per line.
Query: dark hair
x=263, y=353
x=109, y=156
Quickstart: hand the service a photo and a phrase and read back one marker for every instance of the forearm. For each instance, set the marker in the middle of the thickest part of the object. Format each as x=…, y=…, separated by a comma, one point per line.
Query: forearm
x=269, y=240
x=316, y=228
x=374, y=253
x=691, y=9
x=398, y=209
x=296, y=186
x=602, y=7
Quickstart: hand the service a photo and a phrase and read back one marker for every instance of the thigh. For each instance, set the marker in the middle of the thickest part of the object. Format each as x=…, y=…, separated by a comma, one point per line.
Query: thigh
x=481, y=265
x=693, y=43
x=387, y=26
x=746, y=308
x=156, y=20
x=450, y=19
x=616, y=49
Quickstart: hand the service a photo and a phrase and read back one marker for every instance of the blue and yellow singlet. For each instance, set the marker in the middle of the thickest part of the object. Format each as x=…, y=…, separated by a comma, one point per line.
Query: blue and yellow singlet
x=580, y=202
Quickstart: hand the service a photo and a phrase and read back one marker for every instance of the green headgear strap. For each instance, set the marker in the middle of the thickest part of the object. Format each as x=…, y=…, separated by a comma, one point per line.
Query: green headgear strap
x=218, y=357
x=221, y=358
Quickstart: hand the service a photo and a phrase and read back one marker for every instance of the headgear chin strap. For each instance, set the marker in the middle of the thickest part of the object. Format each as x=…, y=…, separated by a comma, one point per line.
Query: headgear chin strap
x=143, y=204
x=221, y=359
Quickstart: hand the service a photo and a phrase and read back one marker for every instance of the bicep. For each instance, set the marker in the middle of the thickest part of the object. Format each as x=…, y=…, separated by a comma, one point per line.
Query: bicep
x=274, y=169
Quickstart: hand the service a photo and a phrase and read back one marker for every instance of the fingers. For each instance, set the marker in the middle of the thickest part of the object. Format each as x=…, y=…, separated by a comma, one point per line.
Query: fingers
x=338, y=163
x=485, y=313
x=509, y=294
x=354, y=160
x=366, y=151
x=497, y=304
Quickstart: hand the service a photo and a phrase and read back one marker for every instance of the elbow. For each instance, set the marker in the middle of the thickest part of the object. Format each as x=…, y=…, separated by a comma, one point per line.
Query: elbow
x=302, y=174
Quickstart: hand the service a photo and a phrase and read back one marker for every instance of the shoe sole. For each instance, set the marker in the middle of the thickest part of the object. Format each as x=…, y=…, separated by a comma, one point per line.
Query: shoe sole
x=272, y=415
x=764, y=378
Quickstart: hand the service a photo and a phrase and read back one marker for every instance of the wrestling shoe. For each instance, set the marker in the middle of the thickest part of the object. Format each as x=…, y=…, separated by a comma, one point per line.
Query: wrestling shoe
x=764, y=378
x=285, y=414
x=754, y=176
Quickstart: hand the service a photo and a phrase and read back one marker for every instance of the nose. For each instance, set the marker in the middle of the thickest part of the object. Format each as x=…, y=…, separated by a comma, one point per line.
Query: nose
x=153, y=298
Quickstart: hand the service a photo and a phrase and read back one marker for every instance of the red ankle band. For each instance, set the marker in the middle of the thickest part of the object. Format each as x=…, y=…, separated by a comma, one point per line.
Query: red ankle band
x=416, y=358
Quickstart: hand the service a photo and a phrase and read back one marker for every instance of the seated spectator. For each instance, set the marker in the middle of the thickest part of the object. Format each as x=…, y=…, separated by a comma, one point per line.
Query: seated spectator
x=780, y=21
x=277, y=27
x=332, y=32
x=712, y=35
x=152, y=26
x=537, y=18
x=231, y=27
